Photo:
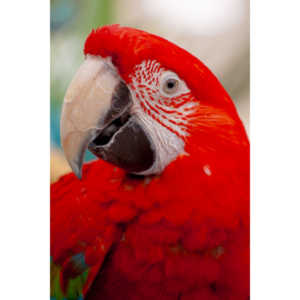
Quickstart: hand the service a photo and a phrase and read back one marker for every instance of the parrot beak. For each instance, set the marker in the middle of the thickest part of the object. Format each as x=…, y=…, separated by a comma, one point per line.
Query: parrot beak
x=86, y=108
x=95, y=115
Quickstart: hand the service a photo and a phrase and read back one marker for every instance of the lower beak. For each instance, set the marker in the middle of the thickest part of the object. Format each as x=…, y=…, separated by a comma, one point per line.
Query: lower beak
x=96, y=115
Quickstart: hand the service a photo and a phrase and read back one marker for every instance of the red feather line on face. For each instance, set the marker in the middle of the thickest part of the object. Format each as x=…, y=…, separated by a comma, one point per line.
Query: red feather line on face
x=146, y=87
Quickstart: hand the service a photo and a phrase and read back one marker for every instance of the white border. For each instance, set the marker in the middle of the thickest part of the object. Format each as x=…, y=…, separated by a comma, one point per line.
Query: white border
x=25, y=149
x=275, y=159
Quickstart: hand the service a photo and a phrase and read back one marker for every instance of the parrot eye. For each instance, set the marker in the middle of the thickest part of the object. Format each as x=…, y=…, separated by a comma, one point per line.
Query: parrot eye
x=170, y=85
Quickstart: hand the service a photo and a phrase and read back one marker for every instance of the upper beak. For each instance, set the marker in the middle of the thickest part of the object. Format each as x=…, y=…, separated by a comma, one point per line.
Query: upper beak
x=88, y=107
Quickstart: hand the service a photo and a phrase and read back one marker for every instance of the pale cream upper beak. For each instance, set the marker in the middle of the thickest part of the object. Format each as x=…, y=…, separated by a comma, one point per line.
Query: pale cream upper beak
x=86, y=103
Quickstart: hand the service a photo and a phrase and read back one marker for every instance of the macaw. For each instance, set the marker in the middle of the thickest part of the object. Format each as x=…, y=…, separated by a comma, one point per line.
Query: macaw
x=164, y=212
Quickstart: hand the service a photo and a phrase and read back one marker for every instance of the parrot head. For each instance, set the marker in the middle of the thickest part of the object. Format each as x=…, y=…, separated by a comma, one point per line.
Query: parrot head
x=140, y=102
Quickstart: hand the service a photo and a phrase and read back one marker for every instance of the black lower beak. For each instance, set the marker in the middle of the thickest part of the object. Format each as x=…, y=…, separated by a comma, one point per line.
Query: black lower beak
x=127, y=146
x=124, y=142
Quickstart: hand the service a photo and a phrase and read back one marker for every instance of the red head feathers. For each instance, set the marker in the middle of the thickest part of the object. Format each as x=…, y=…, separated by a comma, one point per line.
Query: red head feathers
x=129, y=47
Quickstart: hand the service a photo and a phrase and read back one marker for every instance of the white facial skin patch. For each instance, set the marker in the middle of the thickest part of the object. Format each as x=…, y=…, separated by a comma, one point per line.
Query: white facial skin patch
x=162, y=104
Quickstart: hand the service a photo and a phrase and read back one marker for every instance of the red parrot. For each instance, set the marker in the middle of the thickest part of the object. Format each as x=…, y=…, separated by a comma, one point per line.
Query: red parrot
x=164, y=212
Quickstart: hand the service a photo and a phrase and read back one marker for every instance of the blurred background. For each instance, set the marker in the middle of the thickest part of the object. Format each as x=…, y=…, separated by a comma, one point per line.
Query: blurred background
x=216, y=31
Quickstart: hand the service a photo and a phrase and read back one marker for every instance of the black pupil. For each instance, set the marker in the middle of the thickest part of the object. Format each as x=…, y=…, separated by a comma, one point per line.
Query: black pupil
x=171, y=84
